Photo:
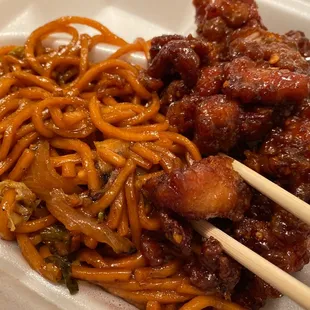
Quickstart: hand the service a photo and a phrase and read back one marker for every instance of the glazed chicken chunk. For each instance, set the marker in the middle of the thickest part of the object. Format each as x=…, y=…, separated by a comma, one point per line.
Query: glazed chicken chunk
x=249, y=83
x=208, y=188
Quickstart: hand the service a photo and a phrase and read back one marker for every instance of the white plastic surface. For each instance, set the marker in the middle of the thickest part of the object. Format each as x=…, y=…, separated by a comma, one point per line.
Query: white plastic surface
x=20, y=287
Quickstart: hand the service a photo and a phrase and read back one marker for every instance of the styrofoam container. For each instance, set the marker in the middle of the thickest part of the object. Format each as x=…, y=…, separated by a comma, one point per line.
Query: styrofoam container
x=21, y=287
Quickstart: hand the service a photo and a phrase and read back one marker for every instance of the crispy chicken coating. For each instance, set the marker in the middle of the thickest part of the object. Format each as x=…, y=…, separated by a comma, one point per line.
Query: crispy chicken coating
x=217, y=18
x=285, y=154
x=182, y=56
x=213, y=122
x=209, y=188
x=177, y=230
x=175, y=91
x=256, y=123
x=152, y=251
x=216, y=124
x=301, y=40
x=263, y=46
x=219, y=124
x=281, y=241
x=235, y=29
x=210, y=80
x=248, y=82
x=181, y=114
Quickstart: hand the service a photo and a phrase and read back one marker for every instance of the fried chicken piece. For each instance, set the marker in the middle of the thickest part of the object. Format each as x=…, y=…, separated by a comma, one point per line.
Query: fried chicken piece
x=201, y=277
x=175, y=91
x=281, y=238
x=181, y=114
x=283, y=241
x=213, y=270
x=177, y=231
x=212, y=121
x=303, y=110
x=216, y=124
x=210, y=80
x=301, y=41
x=285, y=154
x=217, y=18
x=148, y=82
x=262, y=208
x=286, y=151
x=181, y=56
x=252, y=292
x=260, y=45
x=208, y=188
x=256, y=235
x=214, y=259
x=159, y=42
x=152, y=251
x=248, y=82
x=256, y=123
x=288, y=228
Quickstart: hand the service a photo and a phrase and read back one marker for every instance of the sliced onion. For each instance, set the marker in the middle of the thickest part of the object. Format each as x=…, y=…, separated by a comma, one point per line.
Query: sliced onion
x=59, y=206
x=42, y=177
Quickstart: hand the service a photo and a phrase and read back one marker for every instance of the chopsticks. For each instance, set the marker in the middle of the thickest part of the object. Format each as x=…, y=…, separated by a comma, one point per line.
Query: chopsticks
x=271, y=274
x=276, y=193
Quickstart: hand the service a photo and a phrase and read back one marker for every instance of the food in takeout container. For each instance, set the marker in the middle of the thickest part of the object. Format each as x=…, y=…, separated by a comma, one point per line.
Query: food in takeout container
x=108, y=170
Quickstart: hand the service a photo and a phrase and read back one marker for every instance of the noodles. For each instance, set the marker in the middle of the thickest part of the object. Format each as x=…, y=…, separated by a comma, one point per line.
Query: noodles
x=86, y=156
x=170, y=284
x=165, y=271
x=112, y=192
x=153, y=305
x=116, y=211
x=75, y=221
x=22, y=165
x=79, y=140
x=36, y=225
x=96, y=260
x=114, y=132
x=133, y=215
x=202, y=302
x=146, y=296
x=106, y=275
x=34, y=258
x=150, y=223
